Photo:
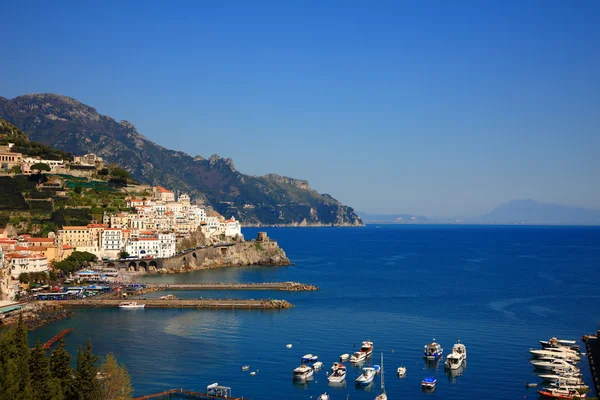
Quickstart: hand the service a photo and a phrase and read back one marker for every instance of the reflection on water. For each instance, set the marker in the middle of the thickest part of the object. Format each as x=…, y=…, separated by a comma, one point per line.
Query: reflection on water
x=204, y=326
x=432, y=364
x=453, y=374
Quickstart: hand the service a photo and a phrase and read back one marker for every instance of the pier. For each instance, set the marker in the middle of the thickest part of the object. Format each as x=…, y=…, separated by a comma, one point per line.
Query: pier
x=592, y=345
x=56, y=338
x=265, y=304
x=282, y=286
x=180, y=393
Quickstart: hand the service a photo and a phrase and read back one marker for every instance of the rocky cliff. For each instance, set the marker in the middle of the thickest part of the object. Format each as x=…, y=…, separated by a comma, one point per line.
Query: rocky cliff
x=69, y=125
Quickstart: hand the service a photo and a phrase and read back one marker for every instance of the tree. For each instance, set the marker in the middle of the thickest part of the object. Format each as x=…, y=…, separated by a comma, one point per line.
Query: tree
x=24, y=277
x=23, y=375
x=44, y=387
x=60, y=366
x=16, y=169
x=39, y=167
x=116, y=382
x=123, y=254
x=87, y=386
x=118, y=176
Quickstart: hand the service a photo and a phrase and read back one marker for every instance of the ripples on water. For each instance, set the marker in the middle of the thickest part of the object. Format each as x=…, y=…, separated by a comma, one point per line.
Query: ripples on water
x=498, y=289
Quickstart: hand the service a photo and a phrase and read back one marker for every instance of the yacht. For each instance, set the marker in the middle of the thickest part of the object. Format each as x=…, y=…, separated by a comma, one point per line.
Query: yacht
x=433, y=351
x=458, y=356
x=318, y=365
x=567, y=378
x=344, y=357
x=338, y=374
x=358, y=357
x=556, y=353
x=303, y=372
x=382, y=394
x=560, y=343
x=551, y=365
x=309, y=358
x=367, y=348
x=561, y=393
x=131, y=305
x=428, y=383
x=366, y=377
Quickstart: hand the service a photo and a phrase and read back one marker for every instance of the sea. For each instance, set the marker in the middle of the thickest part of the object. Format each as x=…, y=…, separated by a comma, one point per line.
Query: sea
x=497, y=289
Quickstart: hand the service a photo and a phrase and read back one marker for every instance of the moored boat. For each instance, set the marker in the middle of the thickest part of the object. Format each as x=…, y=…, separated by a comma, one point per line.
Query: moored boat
x=318, y=365
x=366, y=377
x=245, y=368
x=556, y=353
x=456, y=359
x=433, y=351
x=560, y=343
x=324, y=396
x=309, y=358
x=132, y=305
x=338, y=374
x=367, y=348
x=561, y=393
x=358, y=357
x=303, y=372
x=344, y=357
x=428, y=383
x=401, y=371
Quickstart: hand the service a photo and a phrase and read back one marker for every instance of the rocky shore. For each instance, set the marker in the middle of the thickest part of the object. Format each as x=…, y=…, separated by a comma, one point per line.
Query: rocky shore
x=36, y=314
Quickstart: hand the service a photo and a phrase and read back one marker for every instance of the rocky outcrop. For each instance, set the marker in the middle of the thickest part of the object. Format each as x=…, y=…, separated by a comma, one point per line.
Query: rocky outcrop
x=37, y=314
x=69, y=125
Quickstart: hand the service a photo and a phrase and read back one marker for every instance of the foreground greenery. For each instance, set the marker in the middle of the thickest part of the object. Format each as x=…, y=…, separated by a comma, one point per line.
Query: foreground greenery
x=74, y=262
x=31, y=375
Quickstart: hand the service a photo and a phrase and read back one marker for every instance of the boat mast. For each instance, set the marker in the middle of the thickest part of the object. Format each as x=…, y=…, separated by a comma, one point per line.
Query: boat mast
x=382, y=383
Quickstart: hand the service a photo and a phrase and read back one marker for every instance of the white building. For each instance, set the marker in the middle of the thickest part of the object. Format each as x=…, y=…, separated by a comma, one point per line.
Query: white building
x=20, y=263
x=164, y=194
x=112, y=239
x=160, y=246
x=232, y=228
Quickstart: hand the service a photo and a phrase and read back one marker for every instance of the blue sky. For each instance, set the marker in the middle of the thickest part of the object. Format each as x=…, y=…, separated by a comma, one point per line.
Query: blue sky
x=428, y=107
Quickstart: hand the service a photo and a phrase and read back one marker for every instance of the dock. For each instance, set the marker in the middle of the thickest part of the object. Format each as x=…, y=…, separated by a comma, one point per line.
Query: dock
x=180, y=393
x=265, y=304
x=592, y=345
x=56, y=338
x=282, y=286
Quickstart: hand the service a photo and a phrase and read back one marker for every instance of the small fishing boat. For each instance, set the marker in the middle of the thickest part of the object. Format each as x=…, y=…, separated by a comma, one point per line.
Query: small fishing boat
x=338, y=374
x=335, y=366
x=428, y=383
x=367, y=348
x=131, y=305
x=377, y=369
x=433, y=351
x=324, y=396
x=318, y=365
x=245, y=368
x=401, y=371
x=531, y=384
x=358, y=357
x=253, y=373
x=382, y=394
x=303, y=372
x=366, y=377
x=344, y=357
x=289, y=345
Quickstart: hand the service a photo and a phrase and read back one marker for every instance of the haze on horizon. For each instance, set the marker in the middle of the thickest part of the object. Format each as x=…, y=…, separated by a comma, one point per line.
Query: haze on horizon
x=430, y=108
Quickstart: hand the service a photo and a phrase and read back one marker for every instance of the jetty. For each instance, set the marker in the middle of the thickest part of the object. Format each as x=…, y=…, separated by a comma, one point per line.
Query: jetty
x=264, y=304
x=48, y=345
x=180, y=393
x=592, y=345
x=282, y=286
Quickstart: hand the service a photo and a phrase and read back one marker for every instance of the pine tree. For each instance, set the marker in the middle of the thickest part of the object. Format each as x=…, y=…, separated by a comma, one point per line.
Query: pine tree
x=87, y=385
x=60, y=367
x=44, y=387
x=9, y=384
x=22, y=348
x=116, y=382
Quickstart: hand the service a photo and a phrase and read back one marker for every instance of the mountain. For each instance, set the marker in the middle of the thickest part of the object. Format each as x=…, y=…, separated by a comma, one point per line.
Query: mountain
x=531, y=212
x=392, y=218
x=71, y=126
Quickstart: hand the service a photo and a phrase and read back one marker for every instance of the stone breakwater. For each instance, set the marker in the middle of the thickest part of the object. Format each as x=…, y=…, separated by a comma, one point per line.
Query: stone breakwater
x=36, y=314
x=283, y=286
x=264, y=304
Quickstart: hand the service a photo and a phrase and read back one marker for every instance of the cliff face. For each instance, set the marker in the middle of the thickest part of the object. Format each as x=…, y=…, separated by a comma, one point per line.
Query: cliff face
x=69, y=125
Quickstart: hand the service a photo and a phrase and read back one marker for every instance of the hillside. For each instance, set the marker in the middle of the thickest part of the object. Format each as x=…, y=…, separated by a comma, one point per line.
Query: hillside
x=74, y=127
x=11, y=134
x=538, y=213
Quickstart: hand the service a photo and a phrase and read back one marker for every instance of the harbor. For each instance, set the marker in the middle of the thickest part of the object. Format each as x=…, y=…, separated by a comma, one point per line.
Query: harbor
x=265, y=304
x=281, y=286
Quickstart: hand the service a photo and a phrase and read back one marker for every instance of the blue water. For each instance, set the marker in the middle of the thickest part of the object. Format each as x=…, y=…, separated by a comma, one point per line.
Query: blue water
x=497, y=289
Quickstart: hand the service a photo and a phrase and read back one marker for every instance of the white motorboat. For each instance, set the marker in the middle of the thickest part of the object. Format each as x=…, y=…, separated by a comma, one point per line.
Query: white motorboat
x=556, y=353
x=550, y=365
x=344, y=357
x=428, y=383
x=367, y=348
x=561, y=393
x=338, y=374
x=366, y=377
x=458, y=356
x=335, y=366
x=289, y=345
x=324, y=396
x=401, y=371
x=382, y=394
x=245, y=368
x=131, y=305
x=568, y=378
x=303, y=372
x=560, y=343
x=309, y=358
x=567, y=386
x=433, y=351
x=318, y=365
x=358, y=357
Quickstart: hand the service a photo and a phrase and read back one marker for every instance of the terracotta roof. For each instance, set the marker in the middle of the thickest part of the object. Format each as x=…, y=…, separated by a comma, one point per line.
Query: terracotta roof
x=72, y=228
x=21, y=248
x=67, y=247
x=38, y=248
x=40, y=240
x=112, y=229
x=97, y=225
x=163, y=190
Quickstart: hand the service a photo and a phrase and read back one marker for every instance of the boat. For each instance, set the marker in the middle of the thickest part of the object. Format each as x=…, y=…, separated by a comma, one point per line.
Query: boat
x=338, y=374
x=377, y=369
x=366, y=377
x=567, y=378
x=428, y=383
x=318, y=365
x=131, y=305
x=336, y=365
x=433, y=351
x=358, y=357
x=560, y=393
x=367, y=348
x=456, y=359
x=531, y=384
x=382, y=394
x=253, y=373
x=309, y=358
x=289, y=345
x=560, y=343
x=245, y=368
x=303, y=372
x=401, y=371
x=324, y=396
x=552, y=365
x=556, y=353
x=344, y=357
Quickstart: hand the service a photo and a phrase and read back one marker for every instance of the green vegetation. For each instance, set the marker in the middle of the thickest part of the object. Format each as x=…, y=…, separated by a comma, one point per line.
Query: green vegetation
x=74, y=262
x=123, y=254
x=30, y=375
x=40, y=167
x=11, y=197
x=11, y=134
x=34, y=277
